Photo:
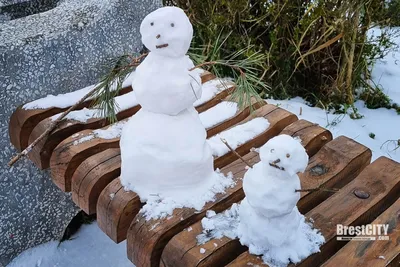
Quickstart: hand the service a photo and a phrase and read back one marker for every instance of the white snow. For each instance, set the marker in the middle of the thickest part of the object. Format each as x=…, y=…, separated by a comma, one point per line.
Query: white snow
x=158, y=206
x=69, y=99
x=122, y=102
x=237, y=135
x=386, y=72
x=212, y=88
x=89, y=245
x=219, y=113
x=202, y=250
x=384, y=123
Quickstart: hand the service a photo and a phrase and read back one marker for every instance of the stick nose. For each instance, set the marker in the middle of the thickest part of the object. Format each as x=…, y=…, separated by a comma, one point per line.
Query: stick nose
x=158, y=36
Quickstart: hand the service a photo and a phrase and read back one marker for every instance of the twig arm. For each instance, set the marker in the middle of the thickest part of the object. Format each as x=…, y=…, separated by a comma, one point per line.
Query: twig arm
x=237, y=154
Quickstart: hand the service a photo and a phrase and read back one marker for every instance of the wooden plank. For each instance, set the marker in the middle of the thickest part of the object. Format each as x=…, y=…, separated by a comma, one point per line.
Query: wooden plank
x=155, y=234
x=116, y=228
x=70, y=153
x=41, y=153
x=95, y=172
x=311, y=134
x=23, y=121
x=183, y=250
x=373, y=253
x=380, y=179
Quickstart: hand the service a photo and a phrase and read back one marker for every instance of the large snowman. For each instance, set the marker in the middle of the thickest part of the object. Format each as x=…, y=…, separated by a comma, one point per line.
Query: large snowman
x=270, y=223
x=163, y=147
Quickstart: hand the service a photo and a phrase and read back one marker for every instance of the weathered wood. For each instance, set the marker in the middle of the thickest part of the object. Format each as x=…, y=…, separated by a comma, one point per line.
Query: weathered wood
x=309, y=133
x=70, y=153
x=87, y=184
x=380, y=179
x=183, y=250
x=41, y=153
x=97, y=171
x=278, y=119
x=23, y=121
x=373, y=253
x=155, y=234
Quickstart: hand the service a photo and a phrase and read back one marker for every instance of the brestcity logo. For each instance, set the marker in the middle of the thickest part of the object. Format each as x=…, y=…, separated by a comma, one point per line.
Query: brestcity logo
x=362, y=232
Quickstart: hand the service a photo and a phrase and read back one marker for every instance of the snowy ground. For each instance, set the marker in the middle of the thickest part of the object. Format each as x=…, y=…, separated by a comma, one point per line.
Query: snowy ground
x=92, y=246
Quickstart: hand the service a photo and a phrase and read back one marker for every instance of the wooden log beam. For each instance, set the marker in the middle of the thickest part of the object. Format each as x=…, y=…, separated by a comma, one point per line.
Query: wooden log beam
x=377, y=253
x=95, y=172
x=183, y=249
x=41, y=153
x=380, y=179
x=23, y=121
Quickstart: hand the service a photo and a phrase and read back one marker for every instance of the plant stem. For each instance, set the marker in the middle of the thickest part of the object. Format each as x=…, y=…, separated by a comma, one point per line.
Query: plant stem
x=237, y=154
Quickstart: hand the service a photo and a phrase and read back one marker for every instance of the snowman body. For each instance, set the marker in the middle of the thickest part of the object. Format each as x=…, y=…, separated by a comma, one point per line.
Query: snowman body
x=269, y=217
x=163, y=146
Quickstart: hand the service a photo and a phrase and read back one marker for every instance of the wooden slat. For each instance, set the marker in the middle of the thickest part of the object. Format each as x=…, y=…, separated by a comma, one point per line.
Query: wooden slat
x=41, y=153
x=23, y=121
x=183, y=250
x=69, y=154
x=95, y=172
x=380, y=179
x=155, y=234
x=310, y=133
x=373, y=253
x=115, y=222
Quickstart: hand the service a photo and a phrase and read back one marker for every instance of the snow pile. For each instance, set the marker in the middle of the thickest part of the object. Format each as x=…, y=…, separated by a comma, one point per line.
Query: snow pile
x=386, y=71
x=160, y=206
x=237, y=135
x=111, y=132
x=69, y=99
x=267, y=220
x=90, y=244
x=122, y=102
x=212, y=88
x=219, y=113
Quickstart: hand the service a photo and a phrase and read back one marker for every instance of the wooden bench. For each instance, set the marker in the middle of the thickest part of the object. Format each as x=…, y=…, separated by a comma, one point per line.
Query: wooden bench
x=84, y=158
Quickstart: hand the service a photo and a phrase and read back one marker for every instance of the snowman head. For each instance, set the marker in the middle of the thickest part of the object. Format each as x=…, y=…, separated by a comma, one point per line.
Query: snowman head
x=284, y=153
x=167, y=32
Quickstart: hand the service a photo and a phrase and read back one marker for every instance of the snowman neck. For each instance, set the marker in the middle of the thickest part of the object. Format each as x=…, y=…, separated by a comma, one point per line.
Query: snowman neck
x=161, y=57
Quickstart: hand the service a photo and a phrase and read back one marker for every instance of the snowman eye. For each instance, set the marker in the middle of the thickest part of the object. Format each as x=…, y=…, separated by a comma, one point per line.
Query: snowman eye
x=288, y=155
x=152, y=24
x=172, y=24
x=272, y=150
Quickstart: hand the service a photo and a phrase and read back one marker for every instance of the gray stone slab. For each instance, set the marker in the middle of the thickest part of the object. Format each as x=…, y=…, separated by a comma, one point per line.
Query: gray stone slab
x=60, y=50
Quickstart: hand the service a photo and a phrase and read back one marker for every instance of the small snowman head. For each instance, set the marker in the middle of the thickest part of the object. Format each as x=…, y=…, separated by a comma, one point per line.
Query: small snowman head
x=284, y=153
x=167, y=31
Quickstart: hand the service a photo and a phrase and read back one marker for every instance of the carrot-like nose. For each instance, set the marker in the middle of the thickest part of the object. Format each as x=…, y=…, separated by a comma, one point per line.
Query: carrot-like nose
x=158, y=36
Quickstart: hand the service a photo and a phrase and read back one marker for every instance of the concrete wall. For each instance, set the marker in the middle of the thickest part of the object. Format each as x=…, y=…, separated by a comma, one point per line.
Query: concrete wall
x=60, y=50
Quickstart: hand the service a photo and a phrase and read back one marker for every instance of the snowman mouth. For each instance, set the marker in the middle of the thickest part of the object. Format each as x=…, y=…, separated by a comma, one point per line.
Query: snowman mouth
x=275, y=165
x=161, y=46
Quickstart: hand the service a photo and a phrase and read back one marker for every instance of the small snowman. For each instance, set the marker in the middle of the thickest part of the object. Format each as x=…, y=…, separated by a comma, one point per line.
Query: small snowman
x=270, y=223
x=163, y=146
